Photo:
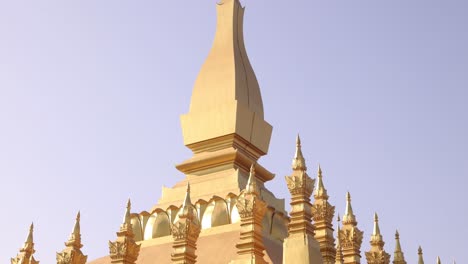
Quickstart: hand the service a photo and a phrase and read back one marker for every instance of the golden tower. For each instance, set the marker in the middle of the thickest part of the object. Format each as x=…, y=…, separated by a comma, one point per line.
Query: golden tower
x=185, y=231
x=398, y=256
x=350, y=236
x=124, y=250
x=25, y=256
x=72, y=253
x=251, y=210
x=377, y=254
x=222, y=212
x=339, y=259
x=300, y=246
x=322, y=214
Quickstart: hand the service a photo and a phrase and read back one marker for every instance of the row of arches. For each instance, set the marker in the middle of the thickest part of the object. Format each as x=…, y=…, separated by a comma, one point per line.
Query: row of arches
x=215, y=212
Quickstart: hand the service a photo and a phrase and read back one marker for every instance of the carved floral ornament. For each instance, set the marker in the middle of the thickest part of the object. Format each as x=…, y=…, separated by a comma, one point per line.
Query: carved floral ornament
x=301, y=184
x=23, y=260
x=124, y=250
x=380, y=257
x=71, y=257
x=351, y=238
x=248, y=205
x=184, y=229
x=323, y=212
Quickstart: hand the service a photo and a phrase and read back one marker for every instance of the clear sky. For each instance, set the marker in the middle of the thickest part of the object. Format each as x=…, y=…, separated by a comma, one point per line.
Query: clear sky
x=91, y=93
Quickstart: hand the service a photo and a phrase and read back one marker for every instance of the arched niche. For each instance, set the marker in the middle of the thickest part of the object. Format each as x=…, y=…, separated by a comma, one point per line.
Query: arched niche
x=136, y=227
x=231, y=201
x=158, y=225
x=216, y=213
x=220, y=214
x=235, y=217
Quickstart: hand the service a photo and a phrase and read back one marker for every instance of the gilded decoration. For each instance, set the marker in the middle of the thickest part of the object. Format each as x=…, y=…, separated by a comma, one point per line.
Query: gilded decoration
x=323, y=212
x=301, y=184
x=380, y=257
x=351, y=238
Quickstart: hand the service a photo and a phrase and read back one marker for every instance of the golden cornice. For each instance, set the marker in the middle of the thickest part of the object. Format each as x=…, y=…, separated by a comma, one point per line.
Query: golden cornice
x=230, y=156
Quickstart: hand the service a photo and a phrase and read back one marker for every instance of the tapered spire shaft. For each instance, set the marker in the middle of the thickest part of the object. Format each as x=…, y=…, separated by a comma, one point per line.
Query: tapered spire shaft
x=339, y=252
x=350, y=235
x=377, y=254
x=124, y=250
x=25, y=255
x=420, y=256
x=251, y=210
x=322, y=214
x=349, y=216
x=398, y=256
x=72, y=253
x=301, y=246
x=298, y=162
x=185, y=232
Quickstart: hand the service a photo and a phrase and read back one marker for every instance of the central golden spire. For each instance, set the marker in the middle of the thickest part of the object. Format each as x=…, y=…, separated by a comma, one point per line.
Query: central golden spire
x=226, y=100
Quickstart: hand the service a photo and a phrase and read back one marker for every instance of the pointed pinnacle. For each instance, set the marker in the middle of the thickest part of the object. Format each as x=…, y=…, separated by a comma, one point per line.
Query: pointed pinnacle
x=320, y=190
x=76, y=227
x=127, y=219
x=30, y=239
x=187, y=200
x=349, y=208
x=438, y=260
x=298, y=161
x=376, y=225
x=420, y=250
x=251, y=186
x=397, y=242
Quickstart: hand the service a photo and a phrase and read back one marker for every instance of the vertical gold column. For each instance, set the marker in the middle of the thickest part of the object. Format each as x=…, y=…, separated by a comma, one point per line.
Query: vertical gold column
x=322, y=214
x=300, y=246
x=339, y=252
x=377, y=254
x=72, y=253
x=350, y=236
x=124, y=250
x=251, y=210
x=185, y=232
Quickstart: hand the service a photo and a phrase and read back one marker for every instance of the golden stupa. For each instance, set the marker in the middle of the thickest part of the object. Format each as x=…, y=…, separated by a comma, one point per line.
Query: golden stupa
x=222, y=212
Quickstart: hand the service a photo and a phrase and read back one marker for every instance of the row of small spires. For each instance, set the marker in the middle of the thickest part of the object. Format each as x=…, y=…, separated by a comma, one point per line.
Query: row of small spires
x=74, y=241
x=300, y=164
x=73, y=245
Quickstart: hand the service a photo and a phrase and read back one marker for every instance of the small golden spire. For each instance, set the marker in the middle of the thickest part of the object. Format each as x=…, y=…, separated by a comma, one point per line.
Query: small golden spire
x=339, y=251
x=251, y=187
x=127, y=218
x=25, y=254
x=420, y=255
x=320, y=191
x=299, y=161
x=397, y=241
x=187, y=200
x=188, y=210
x=398, y=256
x=438, y=260
x=376, y=225
x=349, y=216
x=338, y=228
x=75, y=237
x=29, y=239
x=76, y=227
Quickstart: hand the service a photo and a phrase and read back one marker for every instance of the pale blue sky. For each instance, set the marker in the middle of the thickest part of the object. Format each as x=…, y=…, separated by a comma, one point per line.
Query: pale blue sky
x=91, y=92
